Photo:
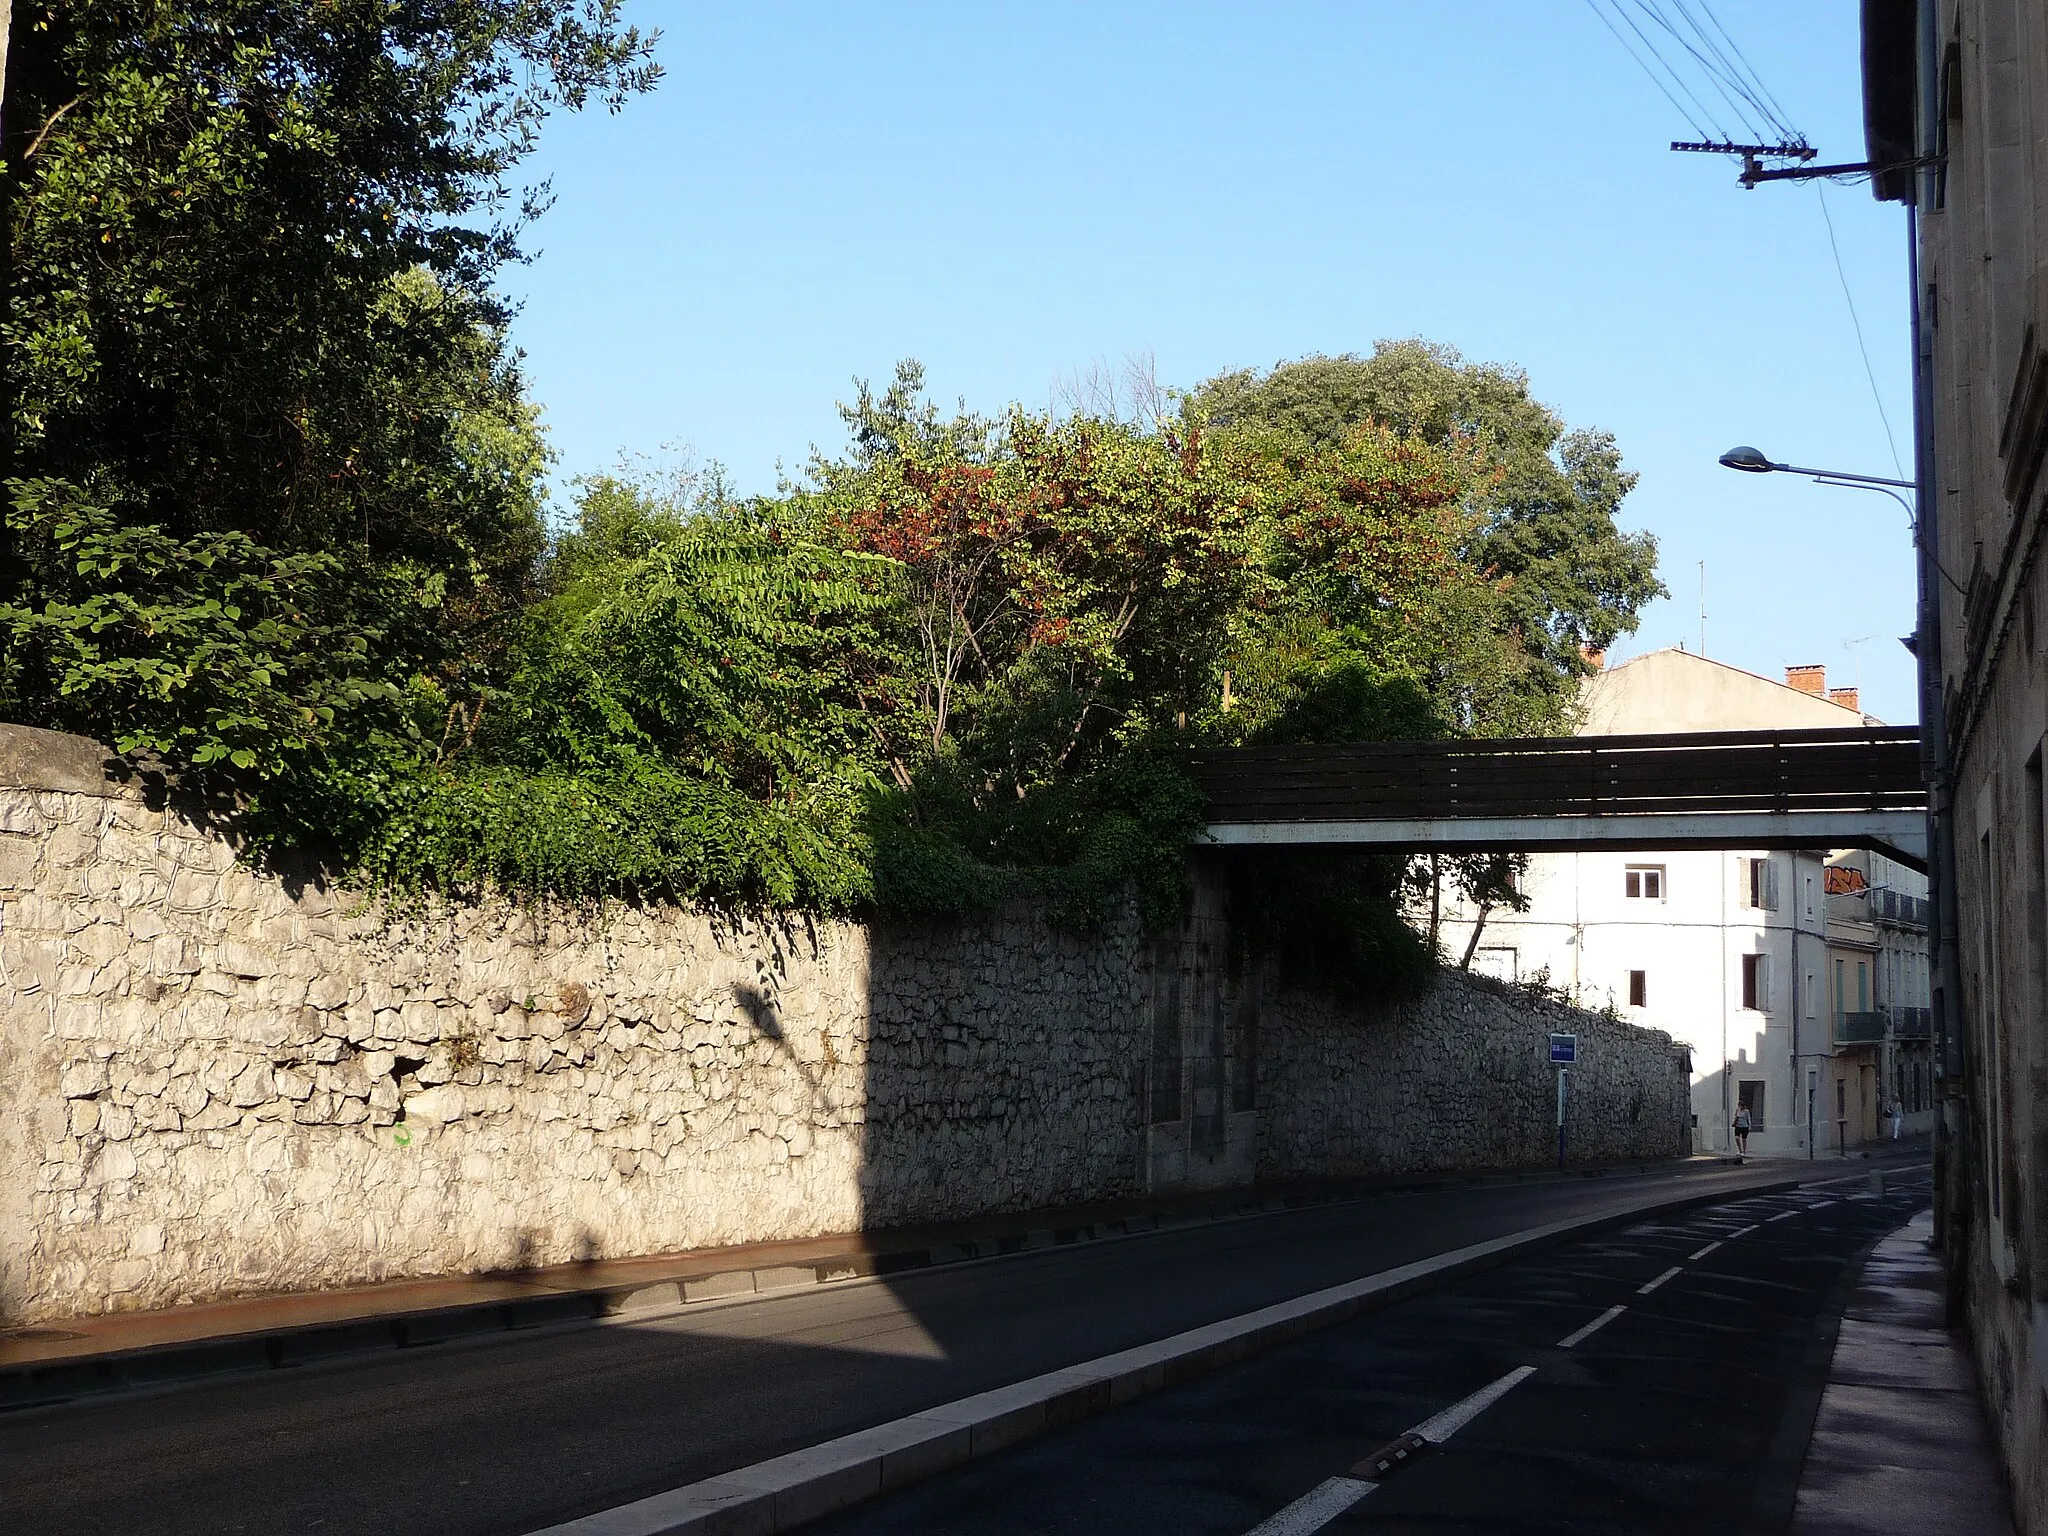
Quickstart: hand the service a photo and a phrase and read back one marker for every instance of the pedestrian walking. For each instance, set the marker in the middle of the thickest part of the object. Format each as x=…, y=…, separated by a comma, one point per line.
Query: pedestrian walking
x=1898, y=1118
x=1742, y=1131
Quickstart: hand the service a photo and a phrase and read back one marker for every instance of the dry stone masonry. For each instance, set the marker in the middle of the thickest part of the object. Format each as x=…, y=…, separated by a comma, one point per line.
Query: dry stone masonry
x=216, y=1080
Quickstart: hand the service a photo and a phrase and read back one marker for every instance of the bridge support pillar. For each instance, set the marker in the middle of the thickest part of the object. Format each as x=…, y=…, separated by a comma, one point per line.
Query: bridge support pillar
x=1201, y=1071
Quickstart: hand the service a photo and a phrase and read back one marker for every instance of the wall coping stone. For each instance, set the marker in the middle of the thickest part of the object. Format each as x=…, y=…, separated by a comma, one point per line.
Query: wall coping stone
x=33, y=758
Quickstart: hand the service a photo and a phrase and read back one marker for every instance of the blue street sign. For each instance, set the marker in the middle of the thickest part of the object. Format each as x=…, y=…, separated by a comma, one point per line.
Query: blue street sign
x=1564, y=1050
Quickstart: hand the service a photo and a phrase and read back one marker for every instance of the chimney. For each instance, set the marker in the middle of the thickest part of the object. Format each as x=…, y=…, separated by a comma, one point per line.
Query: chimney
x=1812, y=680
x=1846, y=697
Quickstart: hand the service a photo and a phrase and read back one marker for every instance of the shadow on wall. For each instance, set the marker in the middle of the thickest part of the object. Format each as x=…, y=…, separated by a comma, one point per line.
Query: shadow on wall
x=1004, y=1067
x=214, y=1081
x=1011, y=1066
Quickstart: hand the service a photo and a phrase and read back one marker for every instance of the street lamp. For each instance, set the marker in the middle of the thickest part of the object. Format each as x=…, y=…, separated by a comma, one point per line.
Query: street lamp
x=1751, y=461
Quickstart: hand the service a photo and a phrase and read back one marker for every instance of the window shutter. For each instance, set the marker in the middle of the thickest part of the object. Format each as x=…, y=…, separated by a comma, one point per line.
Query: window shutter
x=1763, y=983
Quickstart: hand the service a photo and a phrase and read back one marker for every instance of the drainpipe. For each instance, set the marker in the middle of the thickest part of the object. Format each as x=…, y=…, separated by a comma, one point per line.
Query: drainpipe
x=1798, y=1058
x=1727, y=1066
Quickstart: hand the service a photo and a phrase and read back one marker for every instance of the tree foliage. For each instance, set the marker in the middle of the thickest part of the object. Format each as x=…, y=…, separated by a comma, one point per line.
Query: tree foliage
x=1565, y=578
x=276, y=516
x=249, y=319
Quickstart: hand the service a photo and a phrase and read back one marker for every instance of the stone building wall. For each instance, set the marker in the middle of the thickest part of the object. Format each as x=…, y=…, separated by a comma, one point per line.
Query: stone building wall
x=214, y=1080
x=1970, y=92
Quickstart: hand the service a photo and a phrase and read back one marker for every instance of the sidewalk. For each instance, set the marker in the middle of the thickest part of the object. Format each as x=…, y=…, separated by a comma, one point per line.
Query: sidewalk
x=1900, y=1444
x=72, y=1357
x=1883, y=1150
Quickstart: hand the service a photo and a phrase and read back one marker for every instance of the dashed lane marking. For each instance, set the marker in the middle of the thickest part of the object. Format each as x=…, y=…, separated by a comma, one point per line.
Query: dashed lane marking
x=1464, y=1411
x=1743, y=1233
x=1692, y=1258
x=1316, y=1508
x=1579, y=1336
x=1646, y=1288
x=1783, y=1216
x=1330, y=1498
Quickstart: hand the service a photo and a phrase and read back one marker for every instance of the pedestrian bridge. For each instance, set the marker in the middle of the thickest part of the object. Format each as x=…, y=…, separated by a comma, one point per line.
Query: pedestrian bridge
x=1813, y=789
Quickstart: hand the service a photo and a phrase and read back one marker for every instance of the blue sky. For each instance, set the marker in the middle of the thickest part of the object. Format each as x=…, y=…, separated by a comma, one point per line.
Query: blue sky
x=1015, y=194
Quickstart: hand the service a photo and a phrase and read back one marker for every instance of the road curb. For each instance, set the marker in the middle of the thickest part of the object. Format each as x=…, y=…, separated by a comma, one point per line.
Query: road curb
x=61, y=1378
x=787, y=1491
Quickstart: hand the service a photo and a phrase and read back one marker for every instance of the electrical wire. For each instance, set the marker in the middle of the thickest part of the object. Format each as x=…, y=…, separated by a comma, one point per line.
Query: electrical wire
x=1691, y=121
x=1856, y=323
x=1717, y=63
x=1676, y=78
x=1778, y=113
x=1740, y=89
x=1755, y=121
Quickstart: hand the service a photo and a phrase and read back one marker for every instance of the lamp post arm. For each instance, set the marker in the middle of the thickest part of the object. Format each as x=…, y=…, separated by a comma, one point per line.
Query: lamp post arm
x=1843, y=475
x=1868, y=483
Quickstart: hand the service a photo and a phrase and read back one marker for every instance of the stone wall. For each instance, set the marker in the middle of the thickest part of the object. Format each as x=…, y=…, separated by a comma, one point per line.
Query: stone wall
x=216, y=1080
x=1348, y=1090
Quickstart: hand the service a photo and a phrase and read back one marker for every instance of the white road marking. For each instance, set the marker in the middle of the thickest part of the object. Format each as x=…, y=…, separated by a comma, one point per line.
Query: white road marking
x=1644, y=1290
x=1823, y=1205
x=1743, y=1233
x=1458, y=1415
x=1695, y=1257
x=1330, y=1498
x=1782, y=1216
x=1316, y=1508
x=1585, y=1333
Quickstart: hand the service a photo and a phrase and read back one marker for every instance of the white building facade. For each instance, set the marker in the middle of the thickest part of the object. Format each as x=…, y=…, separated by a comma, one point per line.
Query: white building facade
x=1731, y=953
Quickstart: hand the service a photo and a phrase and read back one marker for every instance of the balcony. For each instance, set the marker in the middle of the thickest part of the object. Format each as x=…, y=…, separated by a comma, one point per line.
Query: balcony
x=1913, y=1023
x=1860, y=1028
x=1894, y=907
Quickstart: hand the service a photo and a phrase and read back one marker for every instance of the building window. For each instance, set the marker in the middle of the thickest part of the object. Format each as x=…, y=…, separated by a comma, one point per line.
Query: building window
x=1639, y=989
x=1756, y=982
x=1760, y=881
x=1644, y=882
x=1749, y=1095
x=1863, y=986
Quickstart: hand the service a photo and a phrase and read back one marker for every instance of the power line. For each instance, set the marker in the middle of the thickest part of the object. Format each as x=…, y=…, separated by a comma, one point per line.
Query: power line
x=1692, y=121
x=1750, y=89
x=1746, y=111
x=1868, y=372
x=1676, y=78
x=1736, y=48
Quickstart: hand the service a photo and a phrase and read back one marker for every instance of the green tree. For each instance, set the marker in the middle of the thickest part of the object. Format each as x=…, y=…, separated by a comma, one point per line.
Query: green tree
x=699, y=711
x=1067, y=580
x=1543, y=499
x=255, y=376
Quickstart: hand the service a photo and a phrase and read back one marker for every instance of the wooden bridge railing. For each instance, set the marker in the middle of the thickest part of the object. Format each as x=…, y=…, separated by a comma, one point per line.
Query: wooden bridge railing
x=1870, y=769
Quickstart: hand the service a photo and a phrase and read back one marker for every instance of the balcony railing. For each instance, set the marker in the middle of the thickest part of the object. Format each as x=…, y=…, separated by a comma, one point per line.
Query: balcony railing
x=1913, y=1023
x=1859, y=1028
x=1896, y=907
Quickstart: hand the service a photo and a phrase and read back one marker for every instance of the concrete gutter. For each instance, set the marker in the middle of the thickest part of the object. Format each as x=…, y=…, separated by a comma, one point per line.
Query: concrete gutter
x=787, y=1491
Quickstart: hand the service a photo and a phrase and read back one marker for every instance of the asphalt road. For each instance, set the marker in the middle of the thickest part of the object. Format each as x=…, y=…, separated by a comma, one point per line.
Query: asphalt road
x=1688, y=1411
x=501, y=1435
